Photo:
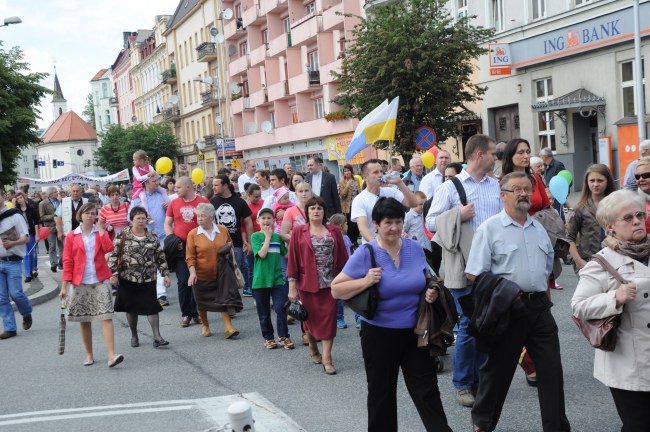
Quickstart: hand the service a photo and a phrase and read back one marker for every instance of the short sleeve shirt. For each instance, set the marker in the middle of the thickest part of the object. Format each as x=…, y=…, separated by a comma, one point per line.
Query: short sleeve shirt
x=184, y=214
x=229, y=213
x=268, y=270
x=363, y=204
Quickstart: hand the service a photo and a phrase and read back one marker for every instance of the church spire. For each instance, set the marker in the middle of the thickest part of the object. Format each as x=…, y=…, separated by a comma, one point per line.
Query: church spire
x=58, y=94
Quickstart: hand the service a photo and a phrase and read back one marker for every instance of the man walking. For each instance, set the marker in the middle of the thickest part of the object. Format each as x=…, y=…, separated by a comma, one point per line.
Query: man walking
x=482, y=194
x=180, y=219
x=231, y=210
x=323, y=185
x=46, y=210
x=248, y=176
x=14, y=234
x=516, y=247
x=66, y=213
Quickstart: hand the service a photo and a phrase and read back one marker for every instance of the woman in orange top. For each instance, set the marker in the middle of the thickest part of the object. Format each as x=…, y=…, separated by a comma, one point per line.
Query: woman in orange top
x=204, y=244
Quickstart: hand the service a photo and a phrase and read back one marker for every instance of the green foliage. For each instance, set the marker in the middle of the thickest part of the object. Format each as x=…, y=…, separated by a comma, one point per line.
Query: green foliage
x=89, y=110
x=415, y=50
x=20, y=94
x=119, y=144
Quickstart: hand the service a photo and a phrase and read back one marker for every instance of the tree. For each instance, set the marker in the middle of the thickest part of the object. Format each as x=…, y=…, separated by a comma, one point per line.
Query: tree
x=20, y=94
x=119, y=144
x=89, y=109
x=415, y=50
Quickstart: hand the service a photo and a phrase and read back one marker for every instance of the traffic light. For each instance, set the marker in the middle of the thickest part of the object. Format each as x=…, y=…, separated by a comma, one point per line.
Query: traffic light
x=53, y=163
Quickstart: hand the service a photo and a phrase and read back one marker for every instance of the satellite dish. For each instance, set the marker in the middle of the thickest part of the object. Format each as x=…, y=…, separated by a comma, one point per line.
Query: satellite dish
x=219, y=119
x=214, y=31
x=207, y=80
x=219, y=38
x=234, y=88
x=267, y=126
x=227, y=13
x=80, y=152
x=232, y=50
x=251, y=128
x=134, y=119
x=174, y=100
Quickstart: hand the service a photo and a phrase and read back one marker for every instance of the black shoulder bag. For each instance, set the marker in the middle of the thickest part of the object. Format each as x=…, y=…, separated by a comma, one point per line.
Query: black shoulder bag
x=365, y=303
x=460, y=189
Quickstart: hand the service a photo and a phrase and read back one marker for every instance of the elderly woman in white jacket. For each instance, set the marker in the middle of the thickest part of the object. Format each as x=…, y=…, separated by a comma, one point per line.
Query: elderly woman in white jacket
x=626, y=370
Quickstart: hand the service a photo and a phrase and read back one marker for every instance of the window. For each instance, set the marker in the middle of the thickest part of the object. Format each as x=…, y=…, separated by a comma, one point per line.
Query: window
x=286, y=25
x=582, y=2
x=461, y=8
x=312, y=60
x=105, y=90
x=498, y=21
x=539, y=9
x=310, y=8
x=272, y=114
x=35, y=171
x=243, y=48
x=265, y=37
x=294, y=114
x=25, y=158
x=26, y=171
x=627, y=85
x=545, y=120
x=319, y=108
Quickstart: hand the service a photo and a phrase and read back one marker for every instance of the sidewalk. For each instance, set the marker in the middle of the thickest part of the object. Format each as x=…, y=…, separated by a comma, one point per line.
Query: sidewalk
x=42, y=288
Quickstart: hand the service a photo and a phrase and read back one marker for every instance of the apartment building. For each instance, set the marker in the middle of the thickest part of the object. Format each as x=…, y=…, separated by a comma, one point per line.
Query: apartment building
x=102, y=90
x=561, y=74
x=280, y=54
x=122, y=98
x=148, y=60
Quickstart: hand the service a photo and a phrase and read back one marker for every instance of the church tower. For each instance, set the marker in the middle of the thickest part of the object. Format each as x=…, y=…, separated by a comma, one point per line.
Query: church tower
x=59, y=104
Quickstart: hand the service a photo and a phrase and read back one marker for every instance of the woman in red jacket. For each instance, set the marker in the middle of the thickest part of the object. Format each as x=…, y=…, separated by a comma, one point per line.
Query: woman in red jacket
x=316, y=255
x=85, y=268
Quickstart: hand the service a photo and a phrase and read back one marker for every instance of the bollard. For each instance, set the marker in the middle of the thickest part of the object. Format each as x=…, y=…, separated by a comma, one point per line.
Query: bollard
x=241, y=417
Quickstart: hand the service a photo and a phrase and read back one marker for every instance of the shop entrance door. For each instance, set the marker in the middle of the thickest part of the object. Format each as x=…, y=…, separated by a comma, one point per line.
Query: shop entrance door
x=506, y=122
x=585, y=143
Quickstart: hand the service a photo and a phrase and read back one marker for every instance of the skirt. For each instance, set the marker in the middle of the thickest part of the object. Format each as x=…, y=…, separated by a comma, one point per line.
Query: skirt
x=321, y=311
x=215, y=297
x=137, y=298
x=92, y=302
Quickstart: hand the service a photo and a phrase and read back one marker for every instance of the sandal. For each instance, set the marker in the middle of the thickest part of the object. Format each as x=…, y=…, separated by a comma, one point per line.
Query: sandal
x=329, y=368
x=316, y=357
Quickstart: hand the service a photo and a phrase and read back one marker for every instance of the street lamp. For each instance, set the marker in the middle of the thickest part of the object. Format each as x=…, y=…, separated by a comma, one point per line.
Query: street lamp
x=11, y=20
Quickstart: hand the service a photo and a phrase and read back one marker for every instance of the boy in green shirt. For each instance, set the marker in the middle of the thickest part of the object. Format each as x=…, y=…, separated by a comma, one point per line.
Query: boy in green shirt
x=268, y=283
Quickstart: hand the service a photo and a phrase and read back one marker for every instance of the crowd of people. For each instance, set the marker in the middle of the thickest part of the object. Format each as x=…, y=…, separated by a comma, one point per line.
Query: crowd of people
x=282, y=236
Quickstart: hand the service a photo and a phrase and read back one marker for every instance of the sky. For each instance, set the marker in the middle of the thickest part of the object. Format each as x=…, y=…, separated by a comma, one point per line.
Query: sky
x=80, y=37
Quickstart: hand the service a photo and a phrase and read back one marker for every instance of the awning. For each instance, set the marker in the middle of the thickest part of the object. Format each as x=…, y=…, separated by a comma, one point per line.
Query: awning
x=579, y=98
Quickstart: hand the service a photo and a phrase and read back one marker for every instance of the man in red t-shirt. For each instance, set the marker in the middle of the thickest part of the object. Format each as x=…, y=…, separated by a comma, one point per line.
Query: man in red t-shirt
x=180, y=220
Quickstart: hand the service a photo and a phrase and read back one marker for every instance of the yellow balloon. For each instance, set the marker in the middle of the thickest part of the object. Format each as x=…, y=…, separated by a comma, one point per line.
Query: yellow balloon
x=359, y=179
x=197, y=175
x=164, y=165
x=428, y=160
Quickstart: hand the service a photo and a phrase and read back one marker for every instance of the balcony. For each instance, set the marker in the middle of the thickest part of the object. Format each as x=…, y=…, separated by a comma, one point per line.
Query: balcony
x=158, y=117
x=168, y=76
x=247, y=102
x=253, y=16
x=279, y=45
x=207, y=51
x=326, y=75
x=231, y=30
x=171, y=114
x=305, y=30
x=209, y=98
x=239, y=65
x=278, y=91
x=314, y=77
x=113, y=102
x=272, y=6
x=330, y=18
x=237, y=106
x=370, y=3
x=259, y=98
x=258, y=55
x=306, y=81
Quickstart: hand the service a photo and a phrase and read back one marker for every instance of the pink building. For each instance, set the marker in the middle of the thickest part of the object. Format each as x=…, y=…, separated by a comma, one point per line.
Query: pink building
x=280, y=55
x=123, y=98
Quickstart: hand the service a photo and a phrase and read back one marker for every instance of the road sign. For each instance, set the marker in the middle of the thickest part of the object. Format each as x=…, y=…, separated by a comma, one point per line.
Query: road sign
x=60, y=163
x=235, y=163
x=425, y=138
x=41, y=163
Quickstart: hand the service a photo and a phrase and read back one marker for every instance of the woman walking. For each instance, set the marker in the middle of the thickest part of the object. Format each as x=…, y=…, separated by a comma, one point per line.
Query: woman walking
x=30, y=213
x=349, y=188
x=136, y=258
x=86, y=270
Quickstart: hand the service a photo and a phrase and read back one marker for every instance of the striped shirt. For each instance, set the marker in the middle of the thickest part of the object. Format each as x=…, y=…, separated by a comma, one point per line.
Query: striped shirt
x=117, y=219
x=484, y=194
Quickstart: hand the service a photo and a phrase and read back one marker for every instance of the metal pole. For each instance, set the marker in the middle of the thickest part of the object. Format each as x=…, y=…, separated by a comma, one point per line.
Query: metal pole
x=638, y=75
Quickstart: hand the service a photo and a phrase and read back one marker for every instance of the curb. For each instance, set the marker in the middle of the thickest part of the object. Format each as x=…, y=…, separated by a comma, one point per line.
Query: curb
x=49, y=288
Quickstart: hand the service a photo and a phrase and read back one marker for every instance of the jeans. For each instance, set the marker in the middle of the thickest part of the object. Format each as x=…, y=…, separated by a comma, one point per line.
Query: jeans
x=185, y=296
x=56, y=248
x=279, y=296
x=467, y=359
x=250, y=260
x=340, y=310
x=242, y=263
x=29, y=261
x=11, y=287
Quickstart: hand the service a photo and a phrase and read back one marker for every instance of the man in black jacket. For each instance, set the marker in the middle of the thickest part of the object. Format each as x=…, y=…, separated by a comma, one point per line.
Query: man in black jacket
x=324, y=185
x=552, y=165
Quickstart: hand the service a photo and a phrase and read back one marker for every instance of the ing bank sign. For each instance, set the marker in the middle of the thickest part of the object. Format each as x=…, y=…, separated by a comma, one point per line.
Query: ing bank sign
x=612, y=28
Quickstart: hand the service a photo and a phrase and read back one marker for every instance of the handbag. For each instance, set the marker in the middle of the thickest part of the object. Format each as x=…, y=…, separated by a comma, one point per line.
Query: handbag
x=295, y=310
x=365, y=303
x=601, y=333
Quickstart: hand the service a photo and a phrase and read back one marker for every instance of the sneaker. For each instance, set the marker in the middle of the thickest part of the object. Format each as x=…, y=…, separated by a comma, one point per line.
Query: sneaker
x=270, y=344
x=247, y=293
x=465, y=397
x=163, y=301
x=287, y=343
x=27, y=322
x=357, y=322
x=185, y=321
x=341, y=324
x=8, y=334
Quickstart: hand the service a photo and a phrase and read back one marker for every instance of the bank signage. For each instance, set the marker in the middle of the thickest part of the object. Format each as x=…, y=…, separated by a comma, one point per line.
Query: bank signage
x=610, y=29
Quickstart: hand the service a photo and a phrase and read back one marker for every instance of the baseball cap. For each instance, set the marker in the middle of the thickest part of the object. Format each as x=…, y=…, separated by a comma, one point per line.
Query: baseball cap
x=265, y=210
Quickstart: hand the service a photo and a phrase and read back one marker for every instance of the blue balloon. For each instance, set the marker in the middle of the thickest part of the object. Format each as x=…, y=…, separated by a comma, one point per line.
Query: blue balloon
x=559, y=188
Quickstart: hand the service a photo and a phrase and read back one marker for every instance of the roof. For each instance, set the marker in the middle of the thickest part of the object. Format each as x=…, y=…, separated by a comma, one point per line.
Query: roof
x=69, y=127
x=58, y=94
x=99, y=74
x=576, y=99
x=142, y=36
x=184, y=6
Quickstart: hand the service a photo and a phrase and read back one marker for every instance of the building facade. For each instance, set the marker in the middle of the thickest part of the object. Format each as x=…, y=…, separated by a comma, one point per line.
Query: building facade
x=122, y=98
x=102, y=90
x=561, y=74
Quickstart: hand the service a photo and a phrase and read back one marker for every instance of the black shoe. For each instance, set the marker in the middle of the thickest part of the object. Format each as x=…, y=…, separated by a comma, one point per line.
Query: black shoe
x=27, y=322
x=159, y=343
x=34, y=274
x=8, y=334
x=28, y=279
x=135, y=342
x=53, y=268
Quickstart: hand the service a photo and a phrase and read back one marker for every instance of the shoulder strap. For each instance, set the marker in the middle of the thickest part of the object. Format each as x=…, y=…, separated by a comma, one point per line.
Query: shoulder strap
x=460, y=189
x=607, y=266
x=10, y=212
x=373, y=263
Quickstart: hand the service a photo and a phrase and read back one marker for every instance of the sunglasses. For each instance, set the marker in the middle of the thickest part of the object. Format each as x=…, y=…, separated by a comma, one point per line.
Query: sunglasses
x=644, y=176
x=630, y=217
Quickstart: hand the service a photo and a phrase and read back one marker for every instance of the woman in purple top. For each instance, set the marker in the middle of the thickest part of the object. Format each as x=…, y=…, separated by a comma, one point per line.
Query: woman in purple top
x=388, y=342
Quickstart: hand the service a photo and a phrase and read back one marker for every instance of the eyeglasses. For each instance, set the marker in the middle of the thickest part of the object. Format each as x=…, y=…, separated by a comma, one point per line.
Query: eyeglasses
x=641, y=216
x=518, y=190
x=644, y=176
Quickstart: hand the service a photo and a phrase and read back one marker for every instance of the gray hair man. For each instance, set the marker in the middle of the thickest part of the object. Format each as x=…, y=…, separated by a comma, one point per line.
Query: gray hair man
x=553, y=166
x=416, y=172
x=630, y=182
x=46, y=210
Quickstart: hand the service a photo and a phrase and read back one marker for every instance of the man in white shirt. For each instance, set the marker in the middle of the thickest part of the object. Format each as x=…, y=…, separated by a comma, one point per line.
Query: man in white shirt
x=437, y=176
x=362, y=205
x=247, y=176
x=278, y=178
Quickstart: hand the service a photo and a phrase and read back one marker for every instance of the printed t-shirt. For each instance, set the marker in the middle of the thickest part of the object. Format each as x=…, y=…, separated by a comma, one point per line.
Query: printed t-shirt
x=184, y=214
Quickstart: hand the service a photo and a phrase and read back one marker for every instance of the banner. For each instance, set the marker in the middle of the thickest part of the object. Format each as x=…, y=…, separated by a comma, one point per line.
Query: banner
x=337, y=146
x=74, y=178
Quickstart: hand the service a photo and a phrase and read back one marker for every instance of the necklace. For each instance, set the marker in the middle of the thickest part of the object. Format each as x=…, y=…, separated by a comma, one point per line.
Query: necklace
x=118, y=207
x=395, y=254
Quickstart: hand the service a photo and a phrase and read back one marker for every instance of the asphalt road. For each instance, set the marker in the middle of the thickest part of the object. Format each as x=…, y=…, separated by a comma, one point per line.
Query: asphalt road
x=168, y=389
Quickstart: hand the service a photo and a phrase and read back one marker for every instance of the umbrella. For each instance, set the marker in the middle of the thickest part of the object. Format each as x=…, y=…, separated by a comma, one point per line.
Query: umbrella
x=62, y=329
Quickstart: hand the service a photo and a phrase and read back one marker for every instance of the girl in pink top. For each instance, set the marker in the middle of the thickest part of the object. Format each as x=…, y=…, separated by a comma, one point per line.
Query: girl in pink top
x=143, y=171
